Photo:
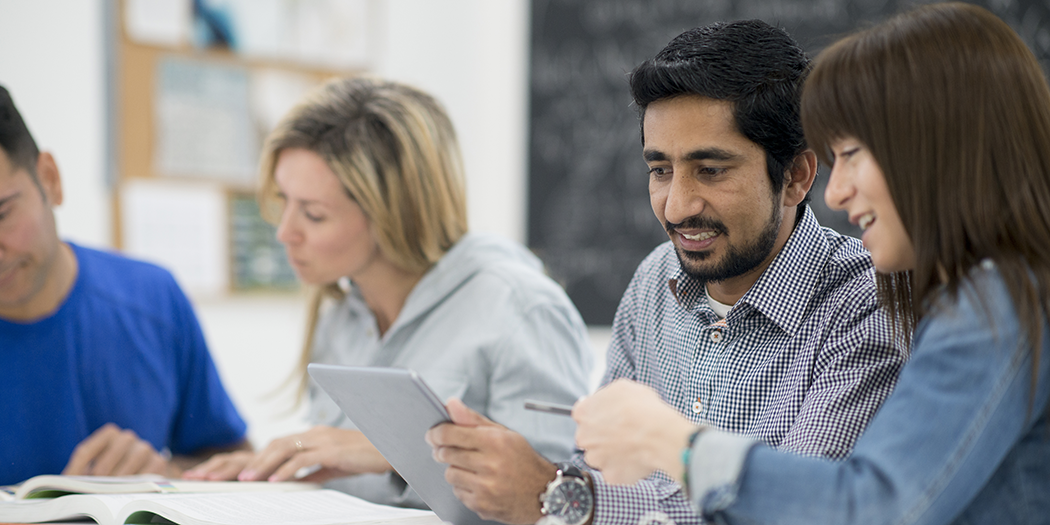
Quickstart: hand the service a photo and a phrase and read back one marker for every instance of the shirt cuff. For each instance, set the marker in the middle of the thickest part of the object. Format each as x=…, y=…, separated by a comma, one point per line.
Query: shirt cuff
x=715, y=463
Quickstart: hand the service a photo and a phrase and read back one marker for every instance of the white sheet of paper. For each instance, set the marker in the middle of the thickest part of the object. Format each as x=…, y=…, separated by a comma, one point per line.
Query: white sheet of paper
x=335, y=33
x=158, y=22
x=274, y=92
x=180, y=225
x=320, y=507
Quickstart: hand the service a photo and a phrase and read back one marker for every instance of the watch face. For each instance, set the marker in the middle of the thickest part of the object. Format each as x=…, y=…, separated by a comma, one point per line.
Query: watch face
x=571, y=502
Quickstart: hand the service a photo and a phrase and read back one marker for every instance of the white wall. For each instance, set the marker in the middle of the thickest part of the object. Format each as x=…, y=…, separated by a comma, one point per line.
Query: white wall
x=53, y=63
x=471, y=54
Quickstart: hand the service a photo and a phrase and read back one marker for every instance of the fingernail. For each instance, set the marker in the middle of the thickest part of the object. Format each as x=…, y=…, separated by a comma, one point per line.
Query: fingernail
x=246, y=475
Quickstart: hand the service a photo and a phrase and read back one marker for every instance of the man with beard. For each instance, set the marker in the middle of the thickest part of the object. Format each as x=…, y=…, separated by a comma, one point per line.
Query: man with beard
x=752, y=319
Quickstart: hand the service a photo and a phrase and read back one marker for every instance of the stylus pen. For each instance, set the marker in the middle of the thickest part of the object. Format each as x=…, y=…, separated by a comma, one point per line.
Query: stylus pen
x=550, y=408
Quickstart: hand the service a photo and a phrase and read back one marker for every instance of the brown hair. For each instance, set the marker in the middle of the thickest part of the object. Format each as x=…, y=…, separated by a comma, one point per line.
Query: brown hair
x=395, y=151
x=955, y=110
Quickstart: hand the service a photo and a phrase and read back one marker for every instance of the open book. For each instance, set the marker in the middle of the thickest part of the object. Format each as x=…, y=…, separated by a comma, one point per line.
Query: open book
x=304, y=507
x=50, y=486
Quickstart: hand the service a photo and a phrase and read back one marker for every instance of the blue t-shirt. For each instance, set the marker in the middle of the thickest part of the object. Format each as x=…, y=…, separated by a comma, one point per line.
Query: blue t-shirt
x=124, y=348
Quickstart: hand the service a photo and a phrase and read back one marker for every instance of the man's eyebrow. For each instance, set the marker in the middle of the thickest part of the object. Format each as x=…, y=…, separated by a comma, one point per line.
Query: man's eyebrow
x=651, y=155
x=699, y=154
x=712, y=154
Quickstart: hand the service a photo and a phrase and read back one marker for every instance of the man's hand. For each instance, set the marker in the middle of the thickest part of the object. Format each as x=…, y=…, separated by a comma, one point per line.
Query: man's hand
x=111, y=451
x=338, y=453
x=627, y=431
x=492, y=469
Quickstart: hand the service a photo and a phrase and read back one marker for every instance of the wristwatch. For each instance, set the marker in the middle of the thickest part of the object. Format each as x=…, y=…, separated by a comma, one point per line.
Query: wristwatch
x=568, y=497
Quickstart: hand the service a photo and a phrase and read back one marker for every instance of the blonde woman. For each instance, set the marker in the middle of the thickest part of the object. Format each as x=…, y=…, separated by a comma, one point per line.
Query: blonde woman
x=366, y=178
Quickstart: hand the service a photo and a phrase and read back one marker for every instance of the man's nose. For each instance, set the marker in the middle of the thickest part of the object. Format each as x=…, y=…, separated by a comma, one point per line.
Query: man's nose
x=684, y=200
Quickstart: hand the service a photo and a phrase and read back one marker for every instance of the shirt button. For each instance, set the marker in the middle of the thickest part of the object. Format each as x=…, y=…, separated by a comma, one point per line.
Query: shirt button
x=716, y=336
x=697, y=407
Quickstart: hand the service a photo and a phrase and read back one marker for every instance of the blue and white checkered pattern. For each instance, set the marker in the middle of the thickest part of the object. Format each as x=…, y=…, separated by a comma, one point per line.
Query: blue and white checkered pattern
x=801, y=362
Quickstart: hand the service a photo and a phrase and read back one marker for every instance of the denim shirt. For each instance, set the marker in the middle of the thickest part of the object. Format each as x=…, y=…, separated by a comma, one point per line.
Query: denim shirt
x=962, y=439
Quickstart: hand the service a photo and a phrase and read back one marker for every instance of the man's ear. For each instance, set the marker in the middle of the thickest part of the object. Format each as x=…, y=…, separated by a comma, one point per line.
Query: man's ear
x=50, y=179
x=800, y=177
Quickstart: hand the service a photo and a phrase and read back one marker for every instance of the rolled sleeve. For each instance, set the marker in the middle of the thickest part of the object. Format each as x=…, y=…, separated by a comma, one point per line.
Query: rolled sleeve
x=715, y=464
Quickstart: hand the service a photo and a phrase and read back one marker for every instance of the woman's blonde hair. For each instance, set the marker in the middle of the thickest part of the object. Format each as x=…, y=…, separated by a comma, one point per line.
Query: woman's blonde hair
x=395, y=152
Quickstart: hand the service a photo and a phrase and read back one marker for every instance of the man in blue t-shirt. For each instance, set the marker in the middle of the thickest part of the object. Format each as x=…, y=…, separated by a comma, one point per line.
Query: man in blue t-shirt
x=103, y=366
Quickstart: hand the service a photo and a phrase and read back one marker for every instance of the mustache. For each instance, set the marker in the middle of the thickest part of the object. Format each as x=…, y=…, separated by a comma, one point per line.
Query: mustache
x=697, y=222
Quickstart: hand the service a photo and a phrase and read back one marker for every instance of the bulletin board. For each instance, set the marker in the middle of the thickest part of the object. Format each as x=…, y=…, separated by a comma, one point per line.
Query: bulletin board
x=199, y=84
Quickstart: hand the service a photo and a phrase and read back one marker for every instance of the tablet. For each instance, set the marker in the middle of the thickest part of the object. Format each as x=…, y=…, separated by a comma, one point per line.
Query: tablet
x=394, y=408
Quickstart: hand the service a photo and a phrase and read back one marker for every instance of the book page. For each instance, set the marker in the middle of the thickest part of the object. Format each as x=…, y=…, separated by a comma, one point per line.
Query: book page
x=315, y=507
x=67, y=508
x=50, y=486
x=53, y=486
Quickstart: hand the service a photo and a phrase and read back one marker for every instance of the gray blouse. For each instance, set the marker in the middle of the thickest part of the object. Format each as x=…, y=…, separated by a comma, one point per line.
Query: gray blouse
x=486, y=325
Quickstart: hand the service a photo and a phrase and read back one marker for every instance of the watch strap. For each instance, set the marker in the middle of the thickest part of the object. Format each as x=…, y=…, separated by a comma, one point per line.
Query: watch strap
x=568, y=469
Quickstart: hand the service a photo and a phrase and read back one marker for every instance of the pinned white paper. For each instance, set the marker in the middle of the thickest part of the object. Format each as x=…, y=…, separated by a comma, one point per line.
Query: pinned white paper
x=158, y=22
x=180, y=226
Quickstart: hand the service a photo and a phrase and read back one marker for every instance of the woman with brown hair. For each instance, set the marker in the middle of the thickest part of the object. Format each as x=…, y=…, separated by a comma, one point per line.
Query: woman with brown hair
x=937, y=124
x=365, y=179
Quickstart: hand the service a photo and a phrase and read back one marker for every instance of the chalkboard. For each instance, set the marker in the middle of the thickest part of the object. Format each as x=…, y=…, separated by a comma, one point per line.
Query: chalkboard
x=589, y=213
x=258, y=260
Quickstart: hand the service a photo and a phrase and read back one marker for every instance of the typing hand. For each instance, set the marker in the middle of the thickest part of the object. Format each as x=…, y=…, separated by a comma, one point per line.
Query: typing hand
x=221, y=467
x=333, y=452
x=112, y=451
x=627, y=431
x=492, y=469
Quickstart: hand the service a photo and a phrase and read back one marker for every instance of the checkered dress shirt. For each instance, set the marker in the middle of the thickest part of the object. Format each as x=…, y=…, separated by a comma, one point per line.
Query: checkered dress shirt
x=801, y=362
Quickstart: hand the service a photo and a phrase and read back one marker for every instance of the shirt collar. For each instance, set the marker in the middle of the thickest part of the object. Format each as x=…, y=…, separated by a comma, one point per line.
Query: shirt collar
x=784, y=289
